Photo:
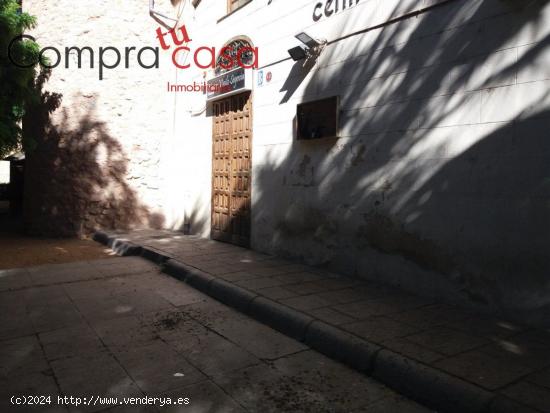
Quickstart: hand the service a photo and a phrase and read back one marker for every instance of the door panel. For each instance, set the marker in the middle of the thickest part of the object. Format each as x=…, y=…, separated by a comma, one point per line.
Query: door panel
x=231, y=169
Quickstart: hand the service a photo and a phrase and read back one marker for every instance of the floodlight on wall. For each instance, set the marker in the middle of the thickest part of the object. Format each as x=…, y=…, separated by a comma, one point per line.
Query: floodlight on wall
x=308, y=40
x=298, y=53
x=310, y=48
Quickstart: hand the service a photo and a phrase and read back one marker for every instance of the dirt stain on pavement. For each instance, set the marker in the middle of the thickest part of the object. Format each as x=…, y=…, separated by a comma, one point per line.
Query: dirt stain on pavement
x=19, y=251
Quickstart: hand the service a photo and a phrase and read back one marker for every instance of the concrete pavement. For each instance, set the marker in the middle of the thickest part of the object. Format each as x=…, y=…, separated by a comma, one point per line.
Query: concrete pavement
x=120, y=328
x=448, y=357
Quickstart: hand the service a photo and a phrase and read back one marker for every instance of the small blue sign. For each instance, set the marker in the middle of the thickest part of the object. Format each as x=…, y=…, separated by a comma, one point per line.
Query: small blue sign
x=260, y=77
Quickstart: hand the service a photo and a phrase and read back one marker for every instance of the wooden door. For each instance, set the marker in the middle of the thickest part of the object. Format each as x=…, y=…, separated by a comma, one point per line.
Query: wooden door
x=231, y=169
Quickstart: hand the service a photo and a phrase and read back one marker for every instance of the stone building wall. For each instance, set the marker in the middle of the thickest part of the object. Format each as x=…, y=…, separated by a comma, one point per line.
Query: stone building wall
x=99, y=142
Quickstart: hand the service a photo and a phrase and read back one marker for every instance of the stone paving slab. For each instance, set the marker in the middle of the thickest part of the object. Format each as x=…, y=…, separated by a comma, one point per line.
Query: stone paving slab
x=498, y=356
x=123, y=328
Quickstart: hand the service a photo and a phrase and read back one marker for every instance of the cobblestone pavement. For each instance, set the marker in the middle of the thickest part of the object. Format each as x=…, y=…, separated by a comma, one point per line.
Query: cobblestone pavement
x=120, y=328
x=510, y=360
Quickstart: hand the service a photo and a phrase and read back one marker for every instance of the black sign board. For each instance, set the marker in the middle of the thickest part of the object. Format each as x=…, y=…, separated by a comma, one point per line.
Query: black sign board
x=227, y=83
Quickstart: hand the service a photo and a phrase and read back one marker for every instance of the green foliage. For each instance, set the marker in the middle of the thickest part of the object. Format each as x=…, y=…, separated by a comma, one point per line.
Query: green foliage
x=17, y=85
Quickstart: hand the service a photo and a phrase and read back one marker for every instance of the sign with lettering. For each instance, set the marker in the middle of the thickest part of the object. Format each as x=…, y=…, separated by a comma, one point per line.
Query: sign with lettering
x=229, y=83
x=330, y=7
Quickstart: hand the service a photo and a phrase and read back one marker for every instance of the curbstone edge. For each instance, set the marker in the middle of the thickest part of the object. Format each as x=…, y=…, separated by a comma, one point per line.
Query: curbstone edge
x=198, y=279
x=231, y=294
x=153, y=255
x=341, y=346
x=502, y=404
x=175, y=269
x=124, y=248
x=427, y=385
x=101, y=237
x=282, y=318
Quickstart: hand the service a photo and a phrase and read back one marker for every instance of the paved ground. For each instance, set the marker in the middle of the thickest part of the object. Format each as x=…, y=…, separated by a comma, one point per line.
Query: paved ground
x=496, y=355
x=118, y=327
x=19, y=250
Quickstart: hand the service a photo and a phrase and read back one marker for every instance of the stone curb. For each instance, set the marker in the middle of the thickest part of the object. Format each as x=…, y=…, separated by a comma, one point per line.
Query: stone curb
x=429, y=386
x=101, y=237
x=502, y=404
x=175, y=269
x=344, y=347
x=195, y=278
x=282, y=318
x=153, y=255
x=122, y=247
x=232, y=295
x=200, y=280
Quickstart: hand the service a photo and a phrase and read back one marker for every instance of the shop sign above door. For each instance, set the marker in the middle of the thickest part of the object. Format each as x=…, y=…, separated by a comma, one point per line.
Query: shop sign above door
x=229, y=83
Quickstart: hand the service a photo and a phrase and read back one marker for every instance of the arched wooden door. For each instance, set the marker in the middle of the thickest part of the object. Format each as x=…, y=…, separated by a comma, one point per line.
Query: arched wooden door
x=232, y=169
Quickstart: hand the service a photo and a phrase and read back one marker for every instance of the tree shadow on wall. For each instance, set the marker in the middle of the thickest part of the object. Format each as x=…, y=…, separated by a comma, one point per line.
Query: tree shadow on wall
x=439, y=182
x=76, y=175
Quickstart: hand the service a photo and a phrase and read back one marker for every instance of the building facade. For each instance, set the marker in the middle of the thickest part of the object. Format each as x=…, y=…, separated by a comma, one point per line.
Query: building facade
x=420, y=157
